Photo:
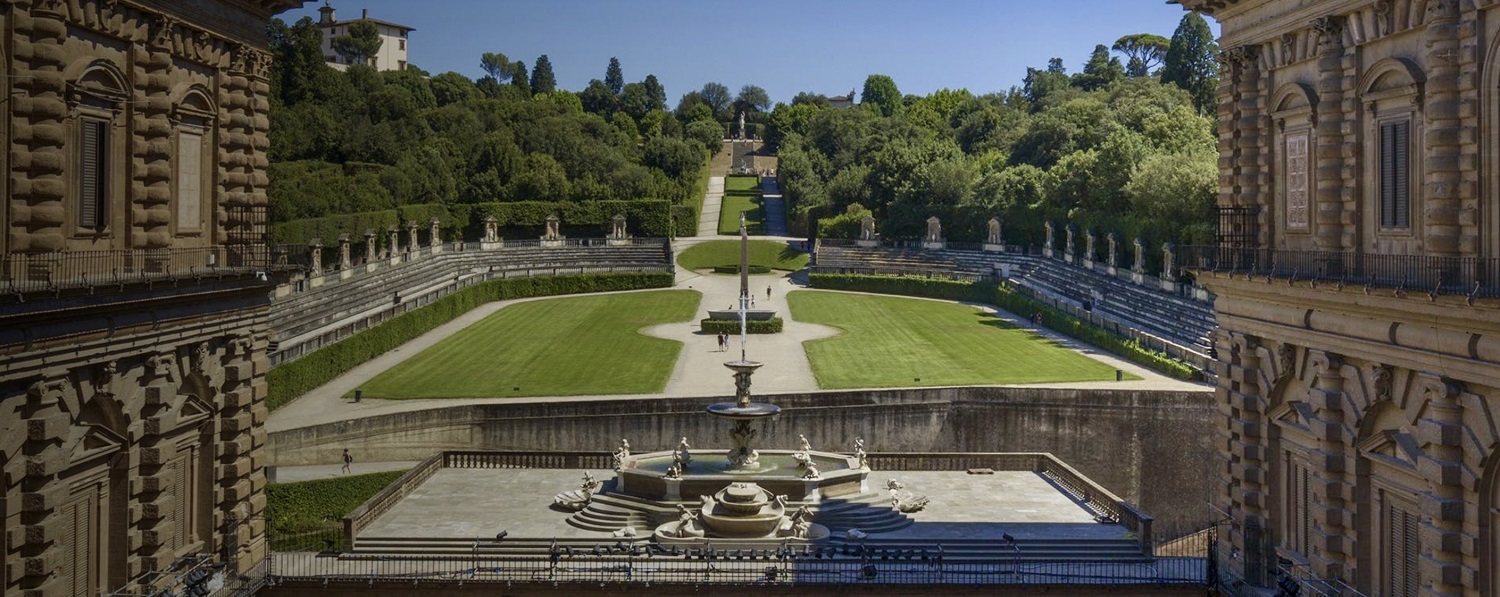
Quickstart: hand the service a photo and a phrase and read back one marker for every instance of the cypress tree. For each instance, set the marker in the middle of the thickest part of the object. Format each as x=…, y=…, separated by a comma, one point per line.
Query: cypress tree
x=542, y=80
x=614, y=79
x=1190, y=62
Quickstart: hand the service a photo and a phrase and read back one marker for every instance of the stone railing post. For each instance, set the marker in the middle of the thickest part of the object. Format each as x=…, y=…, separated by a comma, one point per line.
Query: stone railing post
x=412, y=244
x=395, y=248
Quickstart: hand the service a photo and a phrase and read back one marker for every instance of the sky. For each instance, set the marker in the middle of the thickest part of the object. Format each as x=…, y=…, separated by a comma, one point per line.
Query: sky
x=784, y=46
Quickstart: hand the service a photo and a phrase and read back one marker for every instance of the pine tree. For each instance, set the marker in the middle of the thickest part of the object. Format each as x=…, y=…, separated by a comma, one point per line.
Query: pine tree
x=1101, y=70
x=542, y=79
x=1190, y=62
x=656, y=95
x=614, y=79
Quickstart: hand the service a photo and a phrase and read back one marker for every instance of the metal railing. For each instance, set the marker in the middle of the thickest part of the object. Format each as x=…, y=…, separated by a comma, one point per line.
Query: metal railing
x=1431, y=274
x=22, y=273
x=636, y=563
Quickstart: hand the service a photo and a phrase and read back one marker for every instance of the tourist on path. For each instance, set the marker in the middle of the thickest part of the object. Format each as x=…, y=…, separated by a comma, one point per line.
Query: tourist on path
x=348, y=461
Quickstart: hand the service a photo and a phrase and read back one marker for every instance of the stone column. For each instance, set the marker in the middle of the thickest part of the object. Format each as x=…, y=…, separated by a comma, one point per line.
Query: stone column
x=1329, y=174
x=1443, y=181
x=315, y=257
x=1333, y=494
x=369, y=246
x=412, y=244
x=435, y=239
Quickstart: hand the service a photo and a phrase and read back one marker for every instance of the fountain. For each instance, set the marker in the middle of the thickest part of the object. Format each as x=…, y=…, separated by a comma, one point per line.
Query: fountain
x=743, y=496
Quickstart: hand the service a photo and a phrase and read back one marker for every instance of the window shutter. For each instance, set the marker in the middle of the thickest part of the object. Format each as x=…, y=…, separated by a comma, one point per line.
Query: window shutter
x=1304, y=539
x=91, y=165
x=1387, y=175
x=1402, y=215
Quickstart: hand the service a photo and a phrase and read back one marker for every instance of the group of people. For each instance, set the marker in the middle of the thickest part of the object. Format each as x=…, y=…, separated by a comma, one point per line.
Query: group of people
x=723, y=341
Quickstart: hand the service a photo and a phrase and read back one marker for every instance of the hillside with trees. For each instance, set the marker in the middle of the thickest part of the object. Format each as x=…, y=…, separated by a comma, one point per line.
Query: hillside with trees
x=1118, y=147
x=405, y=145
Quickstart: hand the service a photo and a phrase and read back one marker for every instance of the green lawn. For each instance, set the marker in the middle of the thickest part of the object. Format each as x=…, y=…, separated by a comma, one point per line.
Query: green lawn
x=775, y=255
x=307, y=515
x=742, y=193
x=895, y=341
x=554, y=347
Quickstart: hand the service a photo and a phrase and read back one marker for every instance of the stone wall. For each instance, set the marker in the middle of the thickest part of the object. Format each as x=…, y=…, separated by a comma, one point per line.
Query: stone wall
x=1151, y=448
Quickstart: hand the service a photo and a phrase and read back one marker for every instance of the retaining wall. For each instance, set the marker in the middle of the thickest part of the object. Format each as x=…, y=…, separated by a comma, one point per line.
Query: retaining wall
x=1153, y=448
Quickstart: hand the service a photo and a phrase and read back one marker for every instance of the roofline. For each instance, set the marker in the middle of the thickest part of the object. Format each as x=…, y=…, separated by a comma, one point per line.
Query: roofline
x=376, y=21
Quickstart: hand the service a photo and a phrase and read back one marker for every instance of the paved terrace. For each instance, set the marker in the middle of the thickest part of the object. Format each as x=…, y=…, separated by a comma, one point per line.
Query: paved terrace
x=699, y=370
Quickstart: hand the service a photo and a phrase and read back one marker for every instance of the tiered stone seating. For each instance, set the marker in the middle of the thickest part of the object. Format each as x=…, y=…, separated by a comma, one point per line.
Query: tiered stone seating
x=307, y=319
x=1180, y=320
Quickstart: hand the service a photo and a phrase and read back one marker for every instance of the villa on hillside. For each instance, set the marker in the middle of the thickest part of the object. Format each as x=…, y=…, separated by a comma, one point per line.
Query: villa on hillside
x=392, y=54
x=842, y=101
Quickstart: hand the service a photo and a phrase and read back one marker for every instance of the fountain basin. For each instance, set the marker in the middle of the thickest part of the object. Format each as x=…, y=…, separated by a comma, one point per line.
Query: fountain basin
x=733, y=410
x=645, y=475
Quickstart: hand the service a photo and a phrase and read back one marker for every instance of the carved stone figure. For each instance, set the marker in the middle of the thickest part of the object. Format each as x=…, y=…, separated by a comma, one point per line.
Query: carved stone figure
x=743, y=454
x=1088, y=245
x=994, y=237
x=1167, y=269
x=1047, y=242
x=491, y=229
x=1286, y=359
x=578, y=499
x=345, y=259
x=621, y=453
x=1382, y=381
x=681, y=453
x=801, y=522
x=934, y=230
x=435, y=232
x=395, y=238
x=812, y=472
x=806, y=445
x=369, y=245
x=617, y=231
x=803, y=459
x=412, y=244
x=1113, y=249
x=315, y=257
x=552, y=227
x=1068, y=244
x=675, y=470
x=1140, y=257
x=687, y=522
x=867, y=228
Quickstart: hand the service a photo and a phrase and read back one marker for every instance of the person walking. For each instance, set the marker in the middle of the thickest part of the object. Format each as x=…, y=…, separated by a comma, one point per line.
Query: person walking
x=768, y=292
x=348, y=462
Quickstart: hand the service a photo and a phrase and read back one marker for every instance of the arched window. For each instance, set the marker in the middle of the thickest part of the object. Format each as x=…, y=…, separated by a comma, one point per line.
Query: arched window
x=1391, y=92
x=1293, y=111
x=192, y=193
x=95, y=99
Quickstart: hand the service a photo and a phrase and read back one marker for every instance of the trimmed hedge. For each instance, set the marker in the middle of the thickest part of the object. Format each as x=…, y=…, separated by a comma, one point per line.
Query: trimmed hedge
x=939, y=288
x=1005, y=298
x=729, y=326
x=684, y=220
x=644, y=217
x=300, y=232
x=308, y=515
x=735, y=269
x=298, y=377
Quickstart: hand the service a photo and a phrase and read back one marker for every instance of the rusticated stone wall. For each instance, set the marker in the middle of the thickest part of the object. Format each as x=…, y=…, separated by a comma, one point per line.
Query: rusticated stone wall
x=1152, y=448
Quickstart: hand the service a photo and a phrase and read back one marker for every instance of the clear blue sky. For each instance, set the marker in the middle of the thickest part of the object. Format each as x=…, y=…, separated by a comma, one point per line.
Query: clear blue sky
x=785, y=46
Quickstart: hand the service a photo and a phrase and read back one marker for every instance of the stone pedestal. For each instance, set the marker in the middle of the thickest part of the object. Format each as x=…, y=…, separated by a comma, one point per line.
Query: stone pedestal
x=1169, y=286
x=553, y=243
x=867, y=244
x=491, y=245
x=617, y=242
x=993, y=248
x=1138, y=277
x=1112, y=271
x=935, y=245
x=1088, y=263
x=673, y=489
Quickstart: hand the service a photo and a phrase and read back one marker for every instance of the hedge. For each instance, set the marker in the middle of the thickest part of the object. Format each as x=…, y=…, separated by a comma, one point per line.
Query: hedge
x=939, y=288
x=643, y=217
x=684, y=220
x=735, y=269
x=300, y=232
x=1005, y=298
x=731, y=326
x=298, y=377
x=308, y=515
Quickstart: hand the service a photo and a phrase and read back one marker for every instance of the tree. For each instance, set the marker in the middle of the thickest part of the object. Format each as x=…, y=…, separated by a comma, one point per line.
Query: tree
x=518, y=78
x=656, y=95
x=614, y=79
x=542, y=79
x=636, y=100
x=598, y=99
x=452, y=88
x=1190, y=61
x=360, y=45
x=752, y=99
x=1039, y=84
x=1143, y=52
x=881, y=91
x=496, y=65
x=716, y=95
x=810, y=98
x=1101, y=70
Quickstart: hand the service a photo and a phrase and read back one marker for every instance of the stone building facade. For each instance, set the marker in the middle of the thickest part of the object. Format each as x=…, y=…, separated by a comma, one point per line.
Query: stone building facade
x=1360, y=153
x=134, y=288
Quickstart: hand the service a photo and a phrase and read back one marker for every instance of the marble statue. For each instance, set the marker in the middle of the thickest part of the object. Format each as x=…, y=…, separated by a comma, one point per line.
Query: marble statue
x=867, y=228
x=812, y=472
x=621, y=454
x=552, y=225
x=994, y=236
x=491, y=229
x=934, y=230
x=681, y=452
x=806, y=445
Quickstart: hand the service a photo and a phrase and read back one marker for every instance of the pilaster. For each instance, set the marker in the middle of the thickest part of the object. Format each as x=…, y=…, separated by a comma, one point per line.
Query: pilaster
x=1332, y=504
x=1441, y=148
x=38, y=133
x=1330, y=172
